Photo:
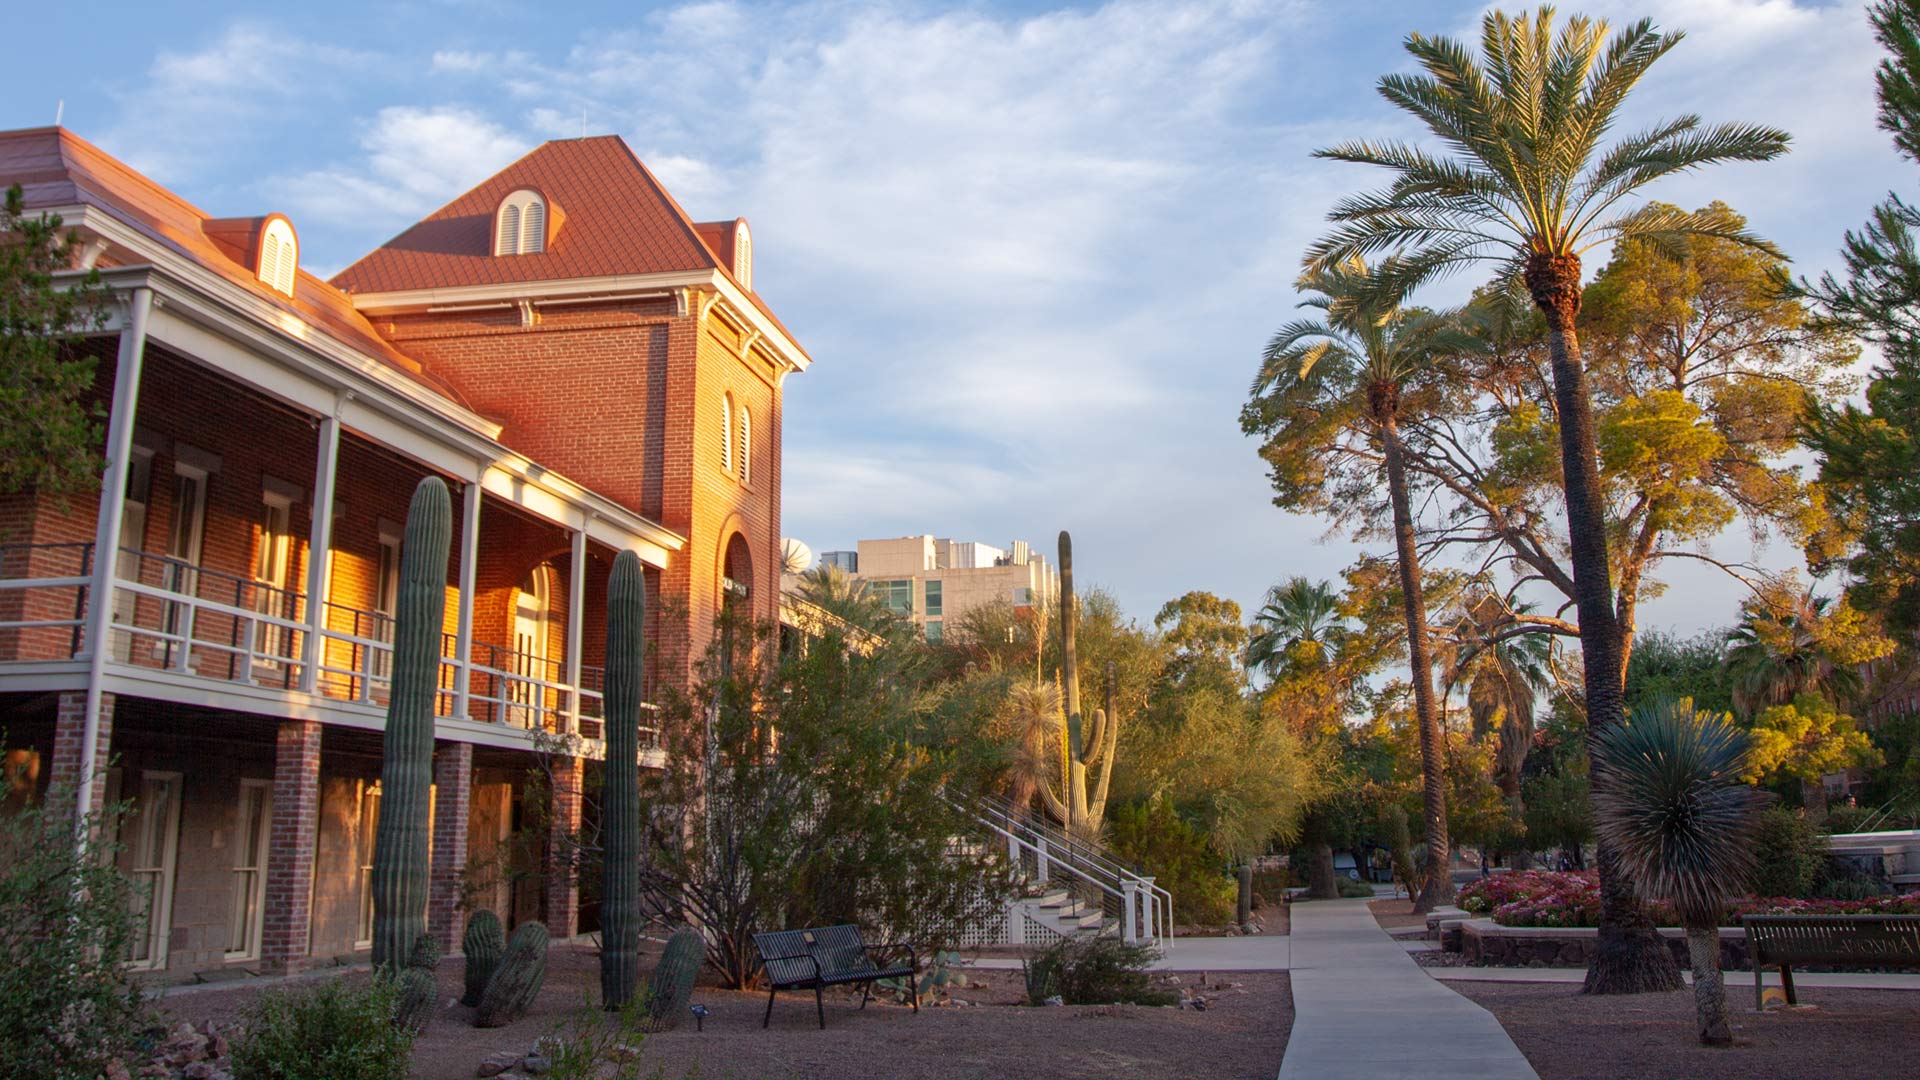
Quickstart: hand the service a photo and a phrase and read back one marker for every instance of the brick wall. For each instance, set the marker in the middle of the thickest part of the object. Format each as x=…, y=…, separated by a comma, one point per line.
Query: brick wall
x=453, y=788
x=290, y=864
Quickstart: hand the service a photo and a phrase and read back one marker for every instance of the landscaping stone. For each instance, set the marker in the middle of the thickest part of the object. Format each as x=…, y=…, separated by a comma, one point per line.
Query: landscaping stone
x=495, y=1064
x=1488, y=944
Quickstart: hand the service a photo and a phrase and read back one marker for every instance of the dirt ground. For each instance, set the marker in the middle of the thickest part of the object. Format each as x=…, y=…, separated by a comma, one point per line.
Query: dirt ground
x=1395, y=915
x=1835, y=1035
x=1242, y=1033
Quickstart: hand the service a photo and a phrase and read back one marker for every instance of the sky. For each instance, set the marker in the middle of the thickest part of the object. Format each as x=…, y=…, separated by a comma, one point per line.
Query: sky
x=1034, y=250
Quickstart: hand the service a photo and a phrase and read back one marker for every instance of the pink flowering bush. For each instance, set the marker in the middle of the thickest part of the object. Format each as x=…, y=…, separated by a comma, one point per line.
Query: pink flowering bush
x=1552, y=898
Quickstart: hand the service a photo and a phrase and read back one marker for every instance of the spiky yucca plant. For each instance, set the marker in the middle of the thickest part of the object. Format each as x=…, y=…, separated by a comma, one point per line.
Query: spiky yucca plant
x=1682, y=823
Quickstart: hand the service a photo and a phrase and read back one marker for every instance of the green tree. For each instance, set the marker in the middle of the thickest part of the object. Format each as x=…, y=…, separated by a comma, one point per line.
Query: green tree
x=1870, y=457
x=1663, y=665
x=1340, y=386
x=1298, y=621
x=1790, y=642
x=1206, y=637
x=1527, y=186
x=49, y=431
x=1505, y=676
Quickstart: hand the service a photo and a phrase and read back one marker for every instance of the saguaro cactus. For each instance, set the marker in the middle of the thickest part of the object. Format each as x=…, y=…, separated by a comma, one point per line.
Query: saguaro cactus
x=620, y=827
x=414, y=995
x=406, y=772
x=1089, y=747
x=672, y=983
x=483, y=945
x=517, y=980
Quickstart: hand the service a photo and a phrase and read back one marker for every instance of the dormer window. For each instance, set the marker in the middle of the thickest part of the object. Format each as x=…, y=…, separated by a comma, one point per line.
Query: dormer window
x=520, y=227
x=279, y=256
x=742, y=255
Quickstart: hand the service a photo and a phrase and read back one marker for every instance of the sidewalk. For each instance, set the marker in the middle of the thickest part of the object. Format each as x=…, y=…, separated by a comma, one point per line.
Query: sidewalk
x=1363, y=1009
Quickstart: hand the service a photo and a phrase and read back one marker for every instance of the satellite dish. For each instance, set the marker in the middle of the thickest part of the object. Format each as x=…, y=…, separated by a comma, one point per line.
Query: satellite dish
x=795, y=556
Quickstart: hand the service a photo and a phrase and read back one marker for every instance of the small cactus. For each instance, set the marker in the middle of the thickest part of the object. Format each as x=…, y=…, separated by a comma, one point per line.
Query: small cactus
x=620, y=903
x=517, y=980
x=402, y=835
x=415, y=992
x=671, y=984
x=425, y=955
x=483, y=944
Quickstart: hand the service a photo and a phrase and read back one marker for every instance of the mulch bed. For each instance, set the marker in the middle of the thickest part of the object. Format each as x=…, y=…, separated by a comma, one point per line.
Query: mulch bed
x=1835, y=1035
x=1242, y=1032
x=1396, y=915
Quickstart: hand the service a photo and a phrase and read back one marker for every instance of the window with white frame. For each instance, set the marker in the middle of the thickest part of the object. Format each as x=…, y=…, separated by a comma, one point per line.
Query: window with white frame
x=726, y=433
x=273, y=570
x=279, y=256
x=155, y=851
x=181, y=568
x=386, y=599
x=520, y=225
x=251, y=836
x=744, y=466
x=369, y=826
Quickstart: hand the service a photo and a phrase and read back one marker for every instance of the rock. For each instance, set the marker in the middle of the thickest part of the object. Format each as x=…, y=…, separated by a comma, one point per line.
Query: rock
x=203, y=1070
x=1055, y=1000
x=495, y=1064
x=1199, y=1003
x=117, y=1070
x=536, y=1064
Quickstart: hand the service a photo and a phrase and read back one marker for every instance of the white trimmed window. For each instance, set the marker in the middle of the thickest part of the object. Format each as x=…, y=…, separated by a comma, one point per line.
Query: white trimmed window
x=520, y=225
x=279, y=255
x=743, y=255
x=745, y=463
x=726, y=432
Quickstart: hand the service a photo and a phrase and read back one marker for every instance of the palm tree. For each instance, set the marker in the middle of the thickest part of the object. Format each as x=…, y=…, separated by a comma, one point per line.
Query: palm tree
x=1035, y=721
x=1524, y=184
x=1776, y=655
x=834, y=591
x=1299, y=620
x=1368, y=365
x=1505, y=677
x=1681, y=823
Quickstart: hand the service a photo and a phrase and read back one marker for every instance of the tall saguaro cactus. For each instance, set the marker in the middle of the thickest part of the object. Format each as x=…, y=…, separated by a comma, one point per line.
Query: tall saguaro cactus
x=406, y=772
x=1089, y=747
x=620, y=830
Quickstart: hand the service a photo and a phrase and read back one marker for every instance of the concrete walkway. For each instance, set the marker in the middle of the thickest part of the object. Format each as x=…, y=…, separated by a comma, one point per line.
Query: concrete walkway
x=1363, y=1009
x=1738, y=982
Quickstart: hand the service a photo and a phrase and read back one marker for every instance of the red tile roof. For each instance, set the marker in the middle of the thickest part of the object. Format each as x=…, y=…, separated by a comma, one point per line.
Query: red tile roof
x=619, y=221
x=55, y=167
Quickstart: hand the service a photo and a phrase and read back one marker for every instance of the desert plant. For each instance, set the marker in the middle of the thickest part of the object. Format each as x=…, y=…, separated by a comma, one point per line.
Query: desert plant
x=1087, y=748
x=405, y=828
x=620, y=829
x=68, y=1005
x=414, y=995
x=1682, y=823
x=336, y=1030
x=1094, y=971
x=483, y=944
x=592, y=1043
x=1178, y=857
x=671, y=985
x=425, y=955
x=516, y=982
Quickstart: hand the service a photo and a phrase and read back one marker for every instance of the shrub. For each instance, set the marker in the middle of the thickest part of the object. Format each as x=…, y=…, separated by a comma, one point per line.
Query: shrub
x=1270, y=886
x=1179, y=858
x=1546, y=898
x=67, y=1004
x=1789, y=854
x=1095, y=971
x=1353, y=890
x=337, y=1030
x=589, y=1040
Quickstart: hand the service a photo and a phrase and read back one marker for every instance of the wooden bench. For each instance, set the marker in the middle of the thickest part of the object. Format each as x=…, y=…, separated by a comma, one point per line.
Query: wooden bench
x=830, y=956
x=1864, y=940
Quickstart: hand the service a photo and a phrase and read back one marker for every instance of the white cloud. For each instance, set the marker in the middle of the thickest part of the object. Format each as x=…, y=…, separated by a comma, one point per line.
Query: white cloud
x=414, y=160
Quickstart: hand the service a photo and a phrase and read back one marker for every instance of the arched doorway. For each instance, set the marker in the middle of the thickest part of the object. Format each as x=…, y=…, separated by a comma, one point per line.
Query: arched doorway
x=735, y=614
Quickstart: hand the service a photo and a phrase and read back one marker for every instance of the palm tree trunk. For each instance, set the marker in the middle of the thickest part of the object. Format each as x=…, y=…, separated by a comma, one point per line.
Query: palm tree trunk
x=1709, y=987
x=1629, y=957
x=1433, y=765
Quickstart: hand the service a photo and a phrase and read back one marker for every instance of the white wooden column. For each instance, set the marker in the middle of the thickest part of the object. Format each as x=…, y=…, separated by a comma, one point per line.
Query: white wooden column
x=576, y=616
x=320, y=548
x=463, y=633
x=106, y=534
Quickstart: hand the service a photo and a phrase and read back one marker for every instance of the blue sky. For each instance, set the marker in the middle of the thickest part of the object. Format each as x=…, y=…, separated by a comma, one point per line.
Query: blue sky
x=1034, y=250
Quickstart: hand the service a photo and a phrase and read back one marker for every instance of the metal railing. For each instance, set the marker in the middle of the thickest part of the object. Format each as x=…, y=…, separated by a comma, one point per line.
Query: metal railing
x=1093, y=877
x=174, y=616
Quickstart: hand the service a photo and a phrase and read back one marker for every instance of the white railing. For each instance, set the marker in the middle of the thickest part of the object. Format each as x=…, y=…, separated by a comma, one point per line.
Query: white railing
x=1129, y=900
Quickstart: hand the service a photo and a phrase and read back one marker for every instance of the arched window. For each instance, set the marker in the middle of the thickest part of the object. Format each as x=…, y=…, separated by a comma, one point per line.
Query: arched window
x=520, y=226
x=726, y=432
x=279, y=255
x=745, y=463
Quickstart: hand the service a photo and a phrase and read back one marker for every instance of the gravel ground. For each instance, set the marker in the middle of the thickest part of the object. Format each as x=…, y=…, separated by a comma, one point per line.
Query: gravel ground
x=1395, y=915
x=1242, y=1033
x=1834, y=1035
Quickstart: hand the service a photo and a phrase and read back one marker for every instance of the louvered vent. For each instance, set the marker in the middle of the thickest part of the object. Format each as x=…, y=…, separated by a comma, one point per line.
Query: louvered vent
x=533, y=228
x=745, y=464
x=279, y=255
x=508, y=241
x=726, y=432
x=520, y=227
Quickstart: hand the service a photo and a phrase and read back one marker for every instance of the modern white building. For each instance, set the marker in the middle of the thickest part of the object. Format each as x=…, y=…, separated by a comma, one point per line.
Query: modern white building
x=934, y=581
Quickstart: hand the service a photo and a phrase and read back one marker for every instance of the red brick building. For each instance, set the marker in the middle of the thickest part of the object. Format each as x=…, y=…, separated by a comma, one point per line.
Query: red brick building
x=588, y=369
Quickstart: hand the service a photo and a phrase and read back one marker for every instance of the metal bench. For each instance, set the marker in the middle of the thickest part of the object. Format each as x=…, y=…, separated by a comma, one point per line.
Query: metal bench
x=830, y=956
x=1864, y=940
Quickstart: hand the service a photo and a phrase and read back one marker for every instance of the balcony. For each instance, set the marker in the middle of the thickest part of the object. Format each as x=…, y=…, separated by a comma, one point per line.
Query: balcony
x=175, y=623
